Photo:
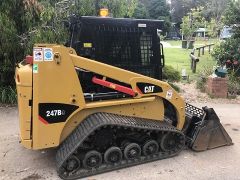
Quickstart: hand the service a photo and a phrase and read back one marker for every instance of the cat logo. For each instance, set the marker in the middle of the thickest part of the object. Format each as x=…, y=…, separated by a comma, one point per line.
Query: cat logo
x=149, y=89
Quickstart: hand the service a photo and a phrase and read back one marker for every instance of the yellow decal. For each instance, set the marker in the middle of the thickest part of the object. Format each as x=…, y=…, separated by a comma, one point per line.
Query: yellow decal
x=87, y=45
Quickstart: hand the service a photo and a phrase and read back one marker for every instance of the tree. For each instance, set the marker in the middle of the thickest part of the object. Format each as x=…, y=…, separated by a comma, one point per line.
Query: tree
x=215, y=9
x=154, y=9
x=26, y=22
x=16, y=17
x=213, y=28
x=141, y=11
x=180, y=8
x=232, y=15
x=212, y=9
x=193, y=21
x=124, y=8
x=228, y=52
x=159, y=9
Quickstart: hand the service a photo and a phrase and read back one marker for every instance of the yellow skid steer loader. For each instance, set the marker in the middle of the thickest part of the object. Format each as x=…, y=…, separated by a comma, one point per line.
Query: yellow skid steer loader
x=101, y=131
x=102, y=117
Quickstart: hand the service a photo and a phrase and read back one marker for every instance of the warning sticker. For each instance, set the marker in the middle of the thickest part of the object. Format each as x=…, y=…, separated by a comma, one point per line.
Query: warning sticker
x=37, y=54
x=169, y=94
x=35, y=68
x=48, y=54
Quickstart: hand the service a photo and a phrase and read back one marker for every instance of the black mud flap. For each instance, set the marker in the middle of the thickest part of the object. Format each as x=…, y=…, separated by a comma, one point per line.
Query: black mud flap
x=203, y=129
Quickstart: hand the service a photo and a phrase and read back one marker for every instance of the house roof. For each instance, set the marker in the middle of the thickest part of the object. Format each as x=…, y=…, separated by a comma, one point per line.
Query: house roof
x=201, y=30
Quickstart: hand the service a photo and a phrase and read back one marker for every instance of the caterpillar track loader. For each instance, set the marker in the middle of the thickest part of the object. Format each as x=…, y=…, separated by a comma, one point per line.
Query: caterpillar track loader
x=101, y=117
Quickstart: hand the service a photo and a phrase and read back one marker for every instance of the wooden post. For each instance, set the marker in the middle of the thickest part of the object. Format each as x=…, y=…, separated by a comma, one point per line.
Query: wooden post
x=194, y=61
x=194, y=66
x=191, y=64
x=203, y=50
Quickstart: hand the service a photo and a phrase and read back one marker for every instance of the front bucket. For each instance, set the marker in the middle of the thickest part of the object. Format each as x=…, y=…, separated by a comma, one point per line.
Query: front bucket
x=205, y=131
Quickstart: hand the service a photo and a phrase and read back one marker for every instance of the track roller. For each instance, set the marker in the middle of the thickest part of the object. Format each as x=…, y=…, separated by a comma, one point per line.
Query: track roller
x=150, y=147
x=113, y=155
x=92, y=159
x=170, y=141
x=72, y=164
x=132, y=151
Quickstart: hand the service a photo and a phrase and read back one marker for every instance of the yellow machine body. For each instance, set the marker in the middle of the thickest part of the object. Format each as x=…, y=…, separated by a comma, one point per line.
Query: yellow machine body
x=52, y=78
x=103, y=118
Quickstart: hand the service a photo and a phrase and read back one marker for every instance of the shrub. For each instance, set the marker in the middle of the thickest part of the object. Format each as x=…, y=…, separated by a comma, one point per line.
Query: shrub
x=8, y=95
x=202, y=79
x=227, y=52
x=233, y=84
x=233, y=87
x=201, y=82
x=171, y=74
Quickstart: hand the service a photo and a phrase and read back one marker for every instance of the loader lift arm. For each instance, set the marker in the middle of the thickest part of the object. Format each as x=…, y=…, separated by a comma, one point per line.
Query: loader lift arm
x=133, y=79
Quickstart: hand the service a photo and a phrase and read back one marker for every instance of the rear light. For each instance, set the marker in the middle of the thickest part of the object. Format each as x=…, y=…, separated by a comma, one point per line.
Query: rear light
x=103, y=12
x=29, y=59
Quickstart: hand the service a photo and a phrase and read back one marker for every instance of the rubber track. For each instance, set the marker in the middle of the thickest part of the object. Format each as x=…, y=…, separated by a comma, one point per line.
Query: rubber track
x=97, y=120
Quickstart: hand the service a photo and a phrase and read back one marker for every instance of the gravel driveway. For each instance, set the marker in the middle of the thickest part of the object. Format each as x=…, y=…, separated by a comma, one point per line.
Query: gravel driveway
x=222, y=163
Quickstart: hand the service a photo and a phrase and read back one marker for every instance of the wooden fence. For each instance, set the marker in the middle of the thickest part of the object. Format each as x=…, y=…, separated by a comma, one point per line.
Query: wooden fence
x=201, y=50
x=195, y=59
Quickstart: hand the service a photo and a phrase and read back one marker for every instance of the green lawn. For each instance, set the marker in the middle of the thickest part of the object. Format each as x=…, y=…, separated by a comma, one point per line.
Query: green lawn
x=198, y=42
x=179, y=59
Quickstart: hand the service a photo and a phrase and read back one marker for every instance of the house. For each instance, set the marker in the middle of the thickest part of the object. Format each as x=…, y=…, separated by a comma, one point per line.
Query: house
x=201, y=32
x=226, y=32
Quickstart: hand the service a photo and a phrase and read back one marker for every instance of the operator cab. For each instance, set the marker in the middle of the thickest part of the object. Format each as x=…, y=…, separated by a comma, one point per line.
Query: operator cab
x=131, y=44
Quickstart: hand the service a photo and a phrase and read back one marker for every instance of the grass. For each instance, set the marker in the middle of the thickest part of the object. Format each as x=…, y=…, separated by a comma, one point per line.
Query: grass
x=8, y=95
x=179, y=59
x=198, y=42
